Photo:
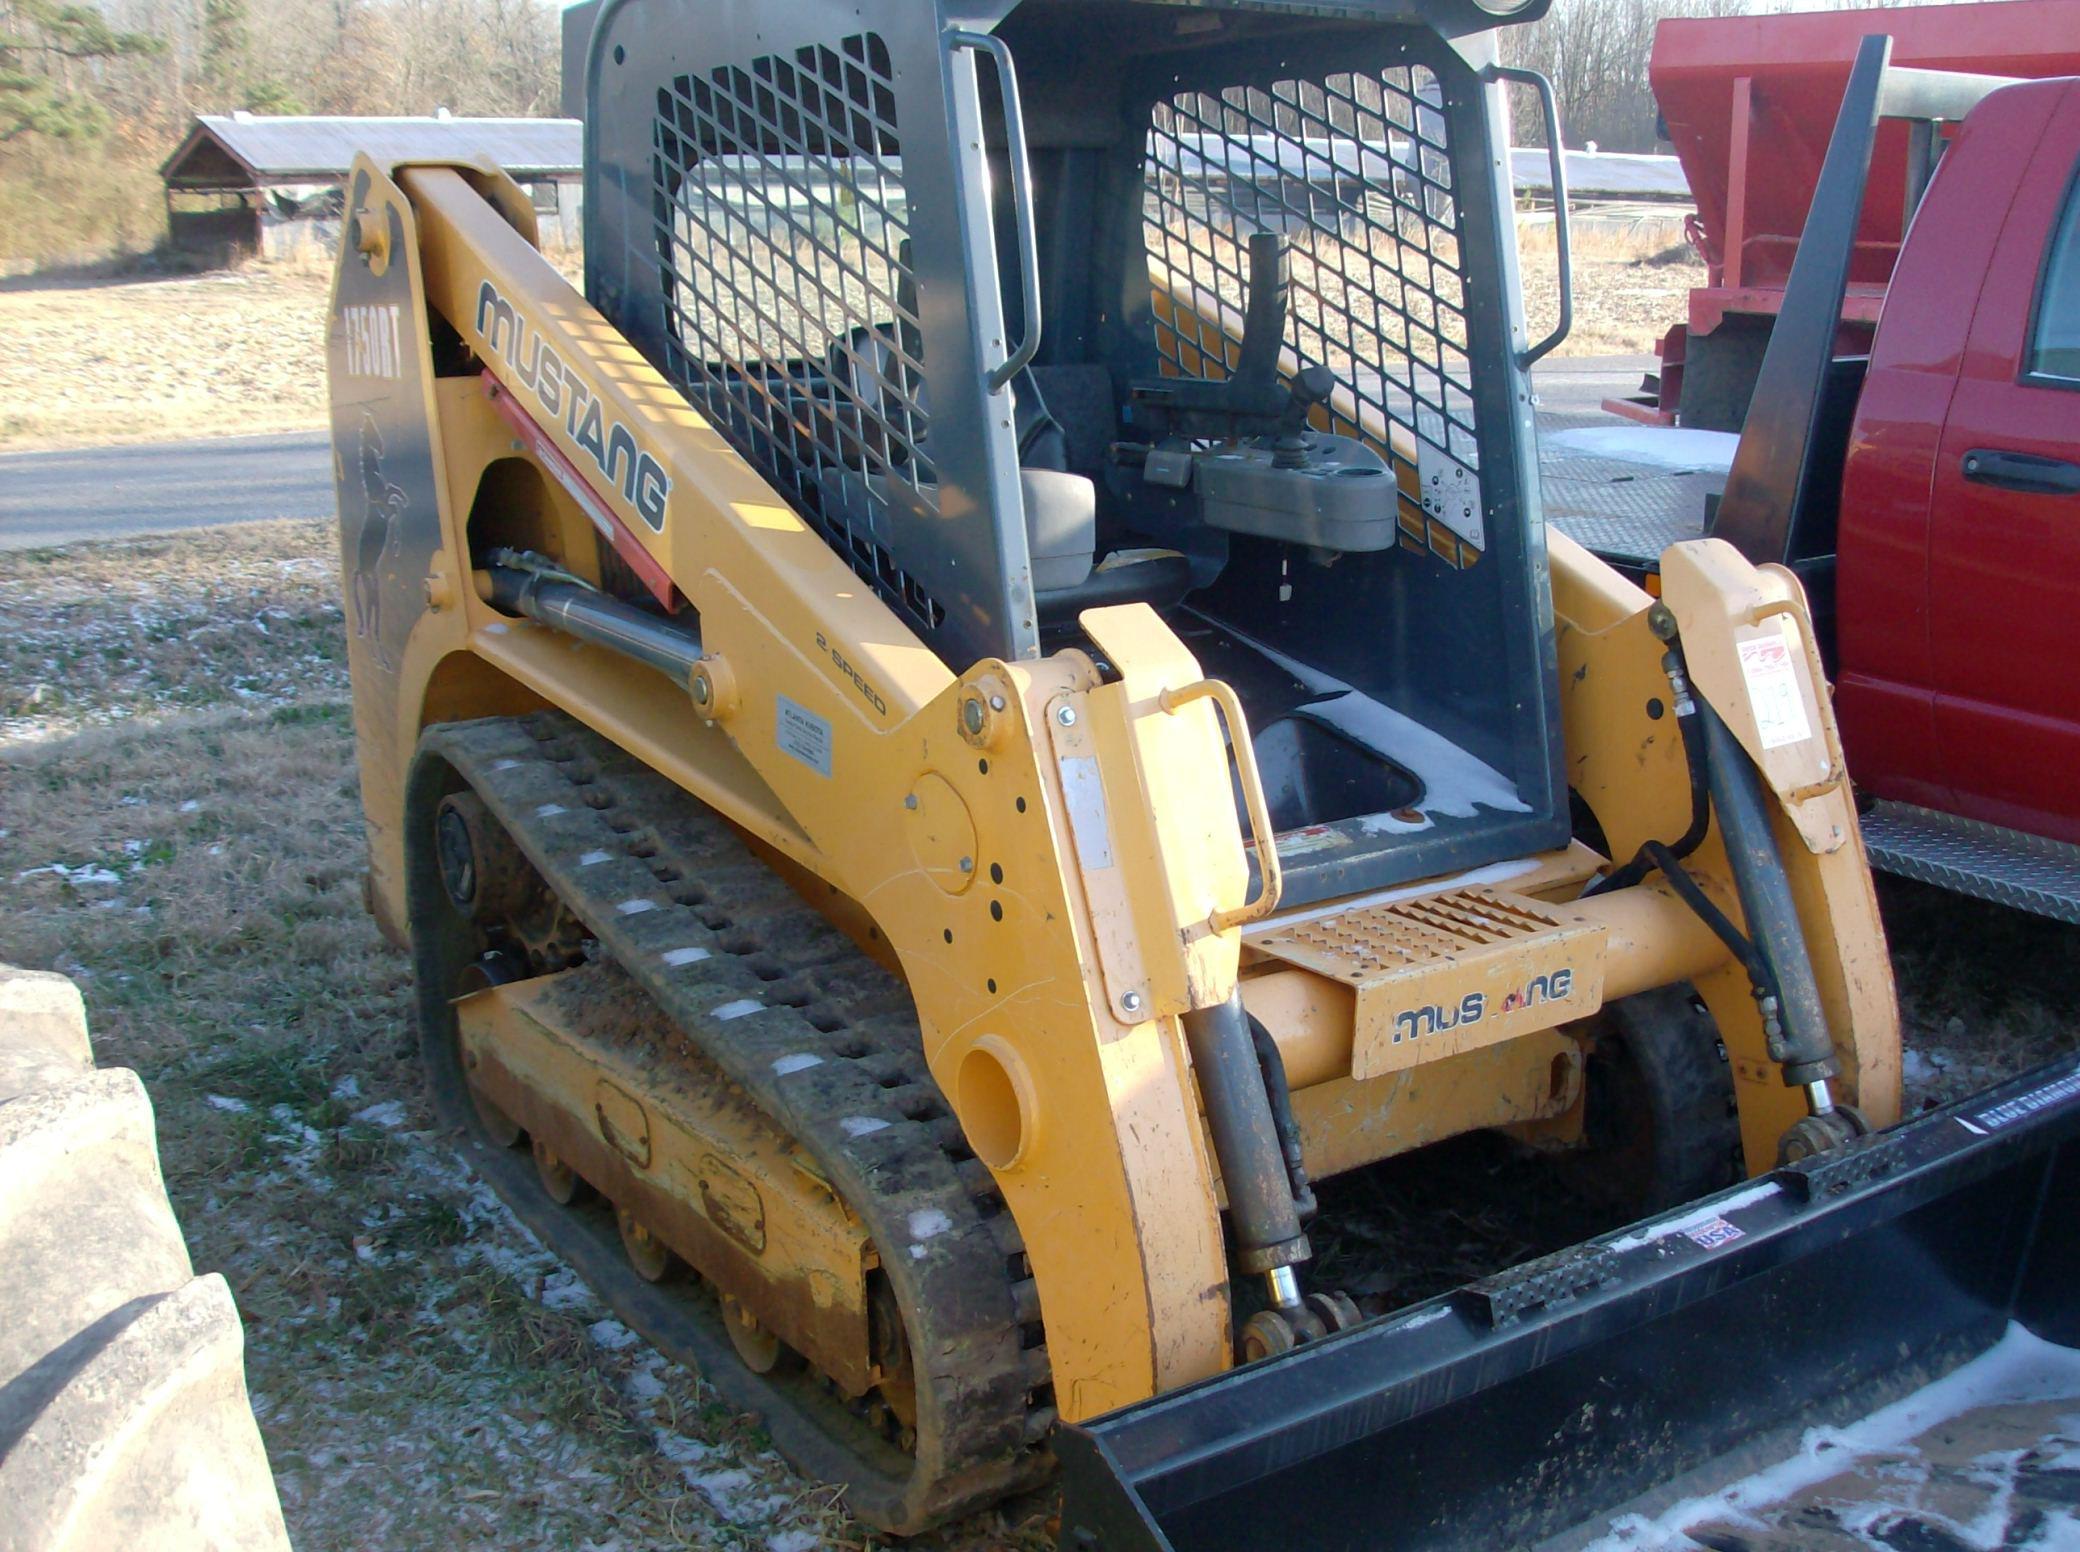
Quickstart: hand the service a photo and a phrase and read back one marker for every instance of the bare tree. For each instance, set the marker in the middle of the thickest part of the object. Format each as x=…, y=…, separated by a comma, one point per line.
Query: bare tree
x=1595, y=53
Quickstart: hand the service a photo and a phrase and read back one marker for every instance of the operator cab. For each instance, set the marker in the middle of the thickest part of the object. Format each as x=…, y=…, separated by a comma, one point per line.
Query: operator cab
x=1209, y=307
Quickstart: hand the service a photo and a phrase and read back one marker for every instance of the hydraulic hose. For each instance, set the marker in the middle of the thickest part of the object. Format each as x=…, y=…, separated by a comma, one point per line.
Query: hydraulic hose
x=1280, y=1093
x=1685, y=706
x=1803, y=1045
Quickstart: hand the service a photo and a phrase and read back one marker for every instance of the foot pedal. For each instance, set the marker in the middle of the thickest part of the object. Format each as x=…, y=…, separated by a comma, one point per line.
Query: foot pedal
x=2008, y=867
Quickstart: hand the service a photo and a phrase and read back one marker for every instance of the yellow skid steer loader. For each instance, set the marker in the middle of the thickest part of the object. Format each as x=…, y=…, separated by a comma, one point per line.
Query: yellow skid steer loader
x=992, y=701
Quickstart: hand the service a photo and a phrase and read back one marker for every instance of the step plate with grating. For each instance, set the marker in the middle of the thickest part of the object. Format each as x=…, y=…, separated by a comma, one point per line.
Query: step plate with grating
x=2008, y=867
x=1449, y=972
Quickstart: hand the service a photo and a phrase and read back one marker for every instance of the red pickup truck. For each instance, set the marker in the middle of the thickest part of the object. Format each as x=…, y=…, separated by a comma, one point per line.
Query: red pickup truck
x=1958, y=553
x=1928, y=494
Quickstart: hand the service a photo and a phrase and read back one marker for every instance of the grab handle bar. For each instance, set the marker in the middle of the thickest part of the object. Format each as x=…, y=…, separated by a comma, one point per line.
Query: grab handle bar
x=1556, y=154
x=1021, y=203
x=1270, y=879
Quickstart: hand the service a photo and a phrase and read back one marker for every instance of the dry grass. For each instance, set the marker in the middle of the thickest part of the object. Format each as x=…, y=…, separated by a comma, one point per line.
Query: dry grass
x=94, y=361
x=180, y=830
x=1630, y=285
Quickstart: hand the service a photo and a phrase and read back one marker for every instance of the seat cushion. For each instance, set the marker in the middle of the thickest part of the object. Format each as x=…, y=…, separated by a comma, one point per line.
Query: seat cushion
x=1061, y=526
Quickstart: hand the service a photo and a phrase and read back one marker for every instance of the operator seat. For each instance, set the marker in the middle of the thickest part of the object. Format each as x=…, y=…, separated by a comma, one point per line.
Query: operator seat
x=1061, y=508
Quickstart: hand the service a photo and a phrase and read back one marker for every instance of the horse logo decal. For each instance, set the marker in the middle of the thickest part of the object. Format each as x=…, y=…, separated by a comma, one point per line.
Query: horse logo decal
x=381, y=541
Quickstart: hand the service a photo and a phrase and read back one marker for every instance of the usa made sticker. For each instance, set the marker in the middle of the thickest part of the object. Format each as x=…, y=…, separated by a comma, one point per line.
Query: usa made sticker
x=1773, y=691
x=1711, y=1235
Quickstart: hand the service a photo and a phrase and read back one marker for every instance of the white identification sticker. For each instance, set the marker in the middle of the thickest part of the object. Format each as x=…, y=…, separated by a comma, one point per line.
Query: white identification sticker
x=1772, y=677
x=800, y=732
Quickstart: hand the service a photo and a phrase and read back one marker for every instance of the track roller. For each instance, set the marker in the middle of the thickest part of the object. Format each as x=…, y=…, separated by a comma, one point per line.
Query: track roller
x=558, y=1178
x=762, y=1351
x=651, y=1257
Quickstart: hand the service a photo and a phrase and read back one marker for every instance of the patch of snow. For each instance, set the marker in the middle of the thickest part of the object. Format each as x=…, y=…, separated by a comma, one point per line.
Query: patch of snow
x=737, y=1009
x=796, y=1062
x=191, y=806
x=1673, y=449
x=1427, y=1317
x=85, y=873
x=2019, y=1369
x=348, y=1087
x=612, y=1335
x=593, y=859
x=635, y=907
x=927, y=1222
x=680, y=1450
x=389, y=1112
x=861, y=1126
x=1915, y=1067
x=731, y=1491
x=561, y=1290
x=305, y=1142
x=676, y=957
x=226, y=1102
x=793, y=1541
x=644, y=1385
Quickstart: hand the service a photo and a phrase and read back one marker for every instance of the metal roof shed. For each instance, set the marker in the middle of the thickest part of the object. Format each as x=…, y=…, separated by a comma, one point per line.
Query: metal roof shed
x=246, y=183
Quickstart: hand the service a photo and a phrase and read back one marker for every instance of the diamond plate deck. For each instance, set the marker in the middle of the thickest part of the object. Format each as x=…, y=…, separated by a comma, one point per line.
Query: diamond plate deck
x=1626, y=512
x=2007, y=867
x=1449, y=972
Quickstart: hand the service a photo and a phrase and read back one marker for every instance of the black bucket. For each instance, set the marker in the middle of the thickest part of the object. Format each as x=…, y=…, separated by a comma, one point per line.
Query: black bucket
x=1523, y=1406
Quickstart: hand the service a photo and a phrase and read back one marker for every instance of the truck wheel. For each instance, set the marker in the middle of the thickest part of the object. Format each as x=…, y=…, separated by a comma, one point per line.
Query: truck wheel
x=124, y=1420
x=1659, y=1126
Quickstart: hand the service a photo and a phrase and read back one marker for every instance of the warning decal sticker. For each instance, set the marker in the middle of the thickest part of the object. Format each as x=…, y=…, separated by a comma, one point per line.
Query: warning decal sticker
x=1772, y=679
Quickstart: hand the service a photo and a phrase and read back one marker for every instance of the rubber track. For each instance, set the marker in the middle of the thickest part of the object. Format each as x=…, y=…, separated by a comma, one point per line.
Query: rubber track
x=827, y=1043
x=124, y=1420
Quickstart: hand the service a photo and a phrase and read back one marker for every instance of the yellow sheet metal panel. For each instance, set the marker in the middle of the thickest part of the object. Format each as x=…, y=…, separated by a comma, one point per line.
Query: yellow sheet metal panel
x=1628, y=767
x=1752, y=651
x=706, y=513
x=1751, y=648
x=1353, y=1122
x=839, y=713
x=704, y=1169
x=1172, y=805
x=1445, y=973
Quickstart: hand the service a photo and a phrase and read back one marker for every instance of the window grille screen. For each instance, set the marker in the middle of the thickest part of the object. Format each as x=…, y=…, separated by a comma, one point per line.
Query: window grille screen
x=790, y=305
x=1356, y=169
